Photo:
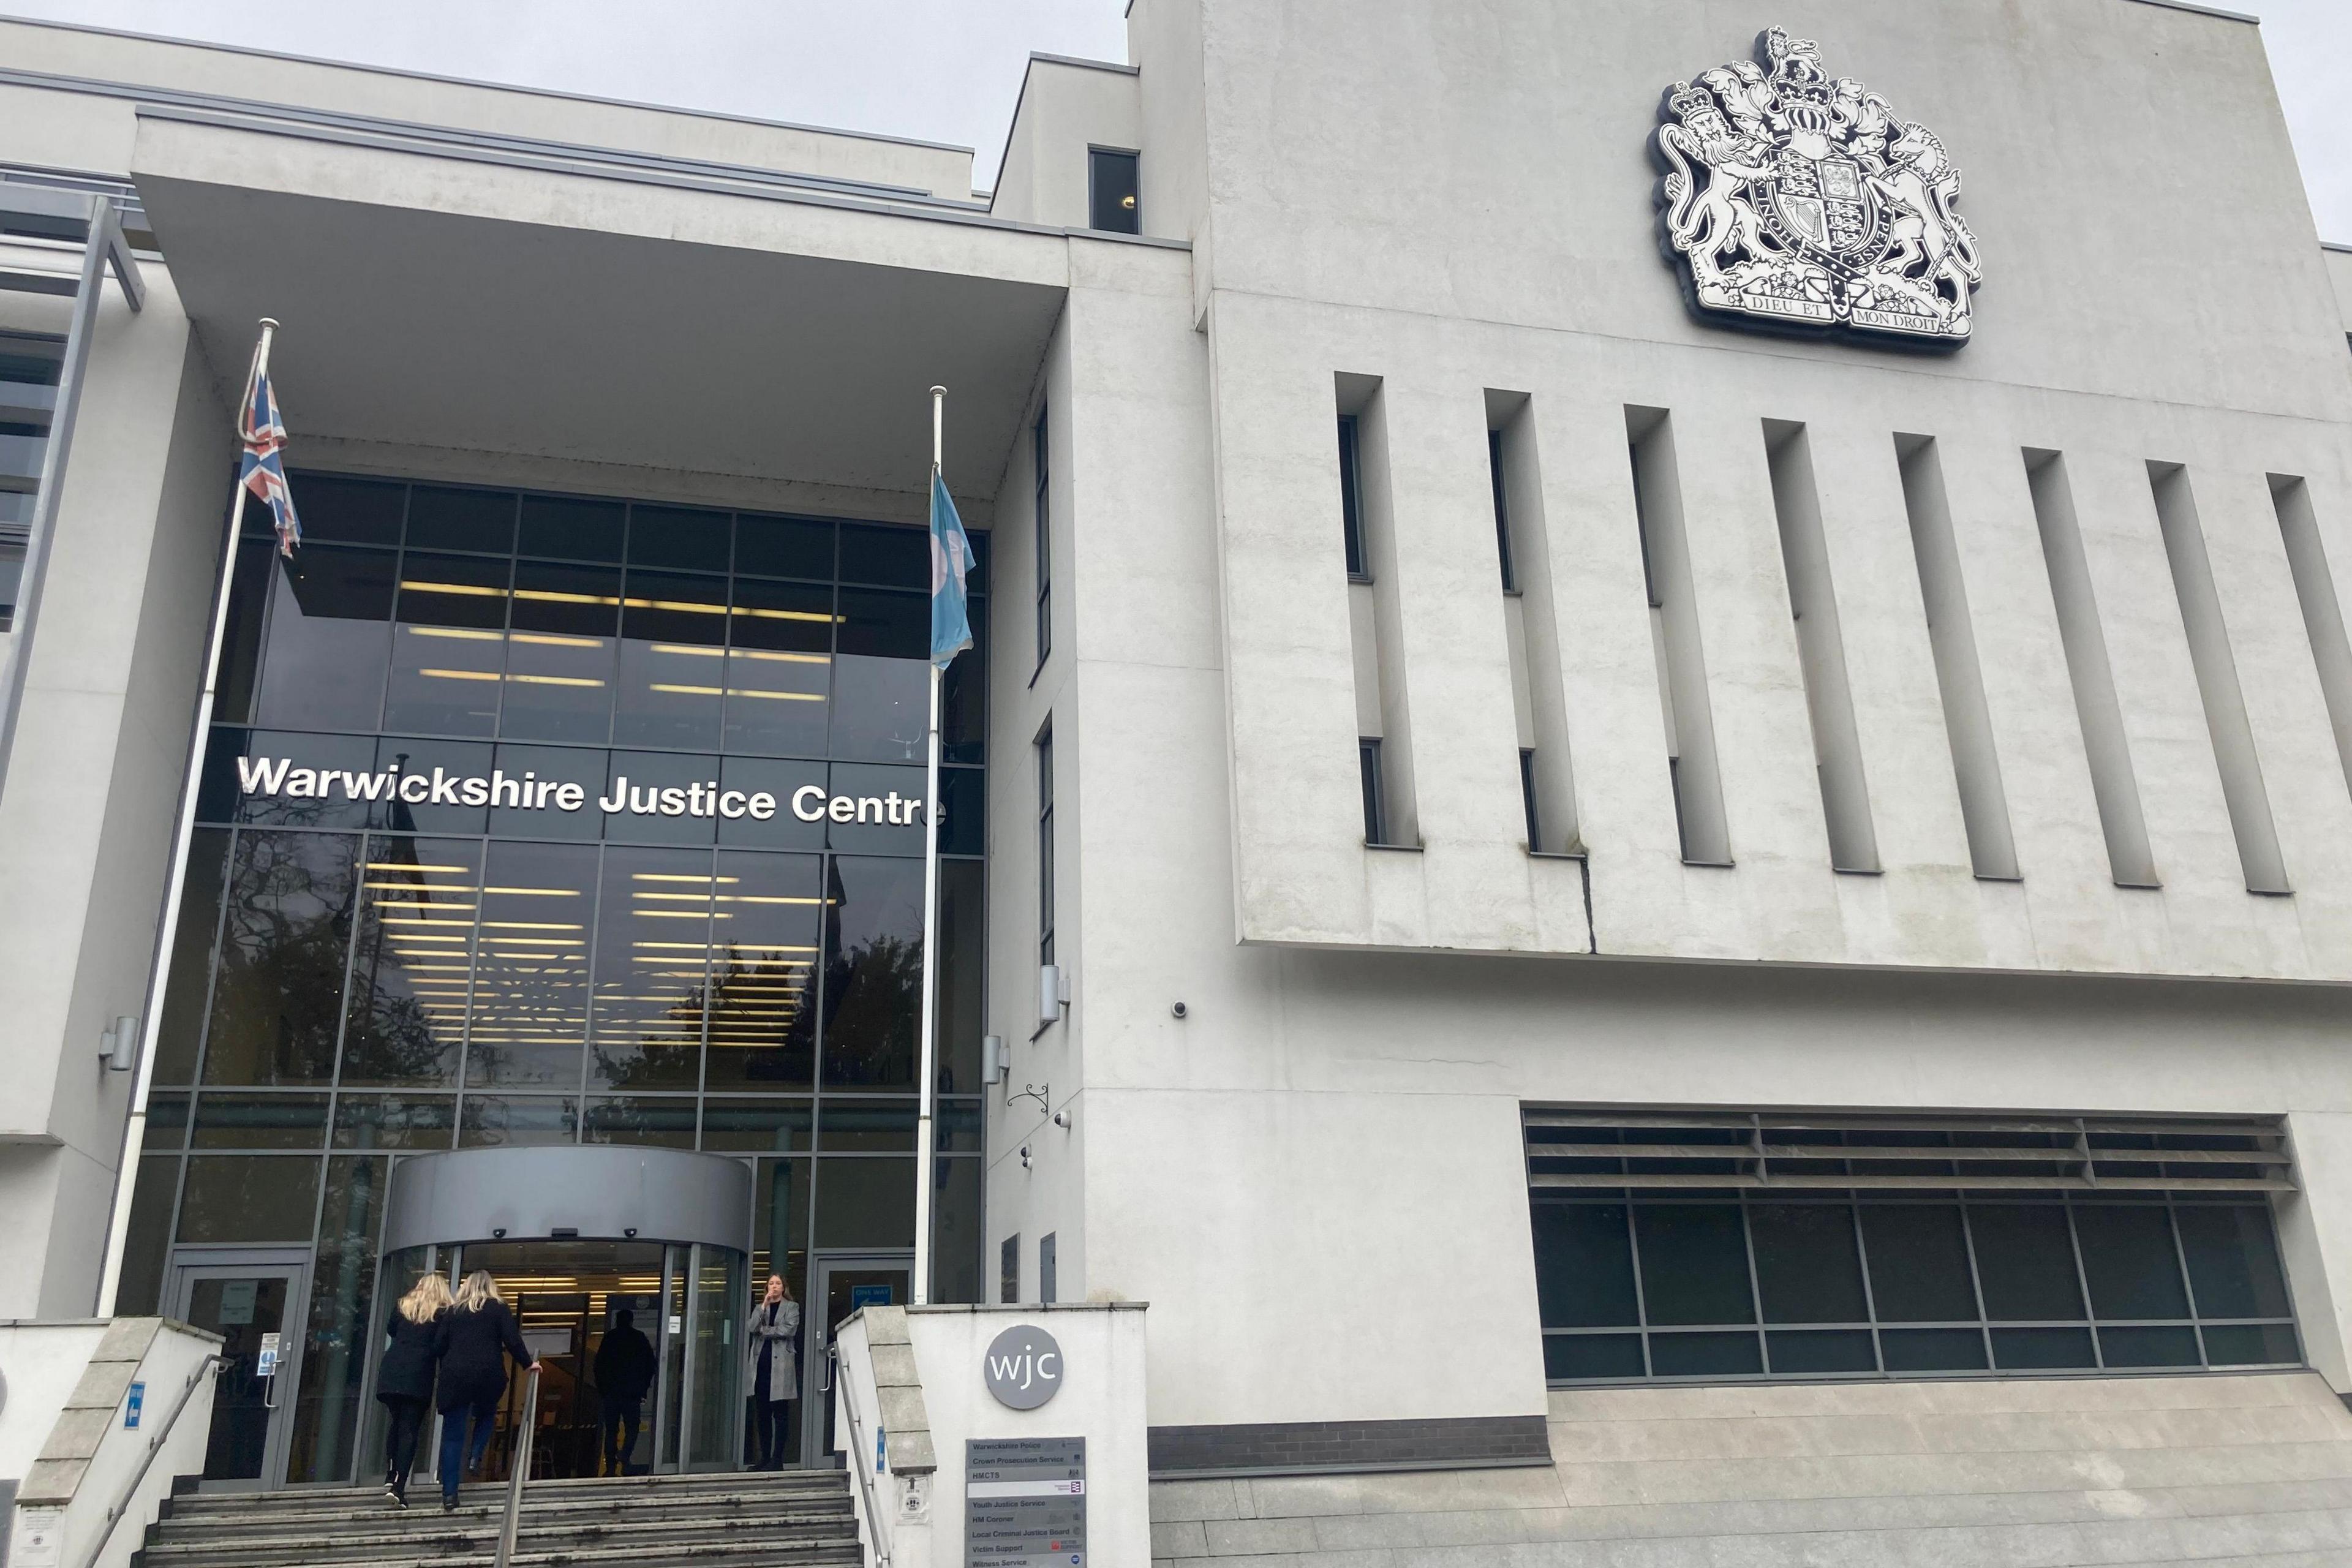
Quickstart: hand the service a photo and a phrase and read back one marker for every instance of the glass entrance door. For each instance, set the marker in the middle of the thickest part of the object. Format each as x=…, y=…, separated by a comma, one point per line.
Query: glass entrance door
x=255, y=1302
x=839, y=1286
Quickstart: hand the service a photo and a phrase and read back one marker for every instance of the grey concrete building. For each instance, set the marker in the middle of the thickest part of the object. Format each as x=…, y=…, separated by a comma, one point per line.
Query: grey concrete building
x=1654, y=819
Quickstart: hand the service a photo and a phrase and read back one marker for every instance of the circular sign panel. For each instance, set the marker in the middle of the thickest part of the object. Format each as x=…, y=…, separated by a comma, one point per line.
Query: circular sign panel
x=1024, y=1367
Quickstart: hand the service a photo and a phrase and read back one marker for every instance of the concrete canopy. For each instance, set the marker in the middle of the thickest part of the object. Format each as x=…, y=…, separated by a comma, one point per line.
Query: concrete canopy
x=478, y=303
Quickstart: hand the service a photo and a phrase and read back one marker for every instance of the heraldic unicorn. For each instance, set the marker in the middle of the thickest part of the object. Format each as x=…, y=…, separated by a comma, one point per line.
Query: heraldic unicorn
x=1801, y=200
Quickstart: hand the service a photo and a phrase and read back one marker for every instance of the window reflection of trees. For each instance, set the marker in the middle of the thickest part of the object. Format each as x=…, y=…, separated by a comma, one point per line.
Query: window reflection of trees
x=277, y=997
x=874, y=971
x=413, y=962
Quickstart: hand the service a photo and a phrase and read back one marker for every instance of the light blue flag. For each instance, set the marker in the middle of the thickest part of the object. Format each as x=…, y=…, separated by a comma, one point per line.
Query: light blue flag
x=951, y=558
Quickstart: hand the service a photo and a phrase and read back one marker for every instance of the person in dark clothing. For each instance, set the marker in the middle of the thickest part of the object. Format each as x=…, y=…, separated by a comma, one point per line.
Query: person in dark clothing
x=625, y=1370
x=404, y=1379
x=468, y=1342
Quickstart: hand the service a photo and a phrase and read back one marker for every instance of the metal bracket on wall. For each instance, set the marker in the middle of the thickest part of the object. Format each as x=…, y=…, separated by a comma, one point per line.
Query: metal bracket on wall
x=1038, y=1092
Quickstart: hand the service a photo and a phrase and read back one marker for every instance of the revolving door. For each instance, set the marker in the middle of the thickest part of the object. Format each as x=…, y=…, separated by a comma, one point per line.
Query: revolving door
x=626, y=1273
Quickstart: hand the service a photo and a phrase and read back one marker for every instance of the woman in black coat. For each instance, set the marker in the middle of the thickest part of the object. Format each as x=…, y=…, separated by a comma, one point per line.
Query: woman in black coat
x=403, y=1378
x=468, y=1341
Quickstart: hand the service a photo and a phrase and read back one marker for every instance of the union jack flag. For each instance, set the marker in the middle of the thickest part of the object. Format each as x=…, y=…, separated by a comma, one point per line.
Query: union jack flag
x=263, y=430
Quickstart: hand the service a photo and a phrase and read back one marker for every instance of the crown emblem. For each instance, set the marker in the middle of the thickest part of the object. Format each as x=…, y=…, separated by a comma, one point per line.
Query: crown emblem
x=1796, y=199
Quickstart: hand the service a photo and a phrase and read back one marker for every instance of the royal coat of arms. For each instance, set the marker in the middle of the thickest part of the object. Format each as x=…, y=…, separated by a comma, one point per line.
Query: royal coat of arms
x=1801, y=200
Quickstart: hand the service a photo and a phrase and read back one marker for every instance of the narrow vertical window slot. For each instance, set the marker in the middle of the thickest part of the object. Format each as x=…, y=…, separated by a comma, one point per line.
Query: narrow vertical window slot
x=1044, y=517
x=1352, y=502
x=1046, y=843
x=2096, y=708
x=1959, y=677
x=1502, y=502
x=1675, y=635
x=1384, y=727
x=2217, y=680
x=1530, y=624
x=2322, y=612
x=1820, y=648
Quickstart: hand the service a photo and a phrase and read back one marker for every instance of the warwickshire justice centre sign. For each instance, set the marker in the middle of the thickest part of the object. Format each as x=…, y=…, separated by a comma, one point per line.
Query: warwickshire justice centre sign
x=279, y=778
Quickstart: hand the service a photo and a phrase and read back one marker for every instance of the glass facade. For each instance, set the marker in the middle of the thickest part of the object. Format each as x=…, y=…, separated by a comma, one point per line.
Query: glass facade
x=535, y=819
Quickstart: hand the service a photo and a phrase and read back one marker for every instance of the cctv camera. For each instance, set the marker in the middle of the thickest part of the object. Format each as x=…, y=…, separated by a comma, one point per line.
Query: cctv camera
x=1177, y=1010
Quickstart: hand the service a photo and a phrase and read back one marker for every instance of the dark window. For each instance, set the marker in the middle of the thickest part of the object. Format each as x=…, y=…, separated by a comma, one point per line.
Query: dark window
x=783, y=547
x=1111, y=190
x=1528, y=796
x=1046, y=844
x=682, y=537
x=1008, y=1270
x=1044, y=541
x=1659, y=1286
x=873, y=970
x=1694, y=1263
x=1502, y=512
x=479, y=520
x=329, y=639
x=1584, y=1265
x=1807, y=1268
x=570, y=528
x=277, y=984
x=1367, y=763
x=1351, y=513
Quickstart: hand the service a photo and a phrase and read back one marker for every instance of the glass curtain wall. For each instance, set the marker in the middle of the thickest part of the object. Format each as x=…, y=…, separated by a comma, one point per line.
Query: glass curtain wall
x=536, y=819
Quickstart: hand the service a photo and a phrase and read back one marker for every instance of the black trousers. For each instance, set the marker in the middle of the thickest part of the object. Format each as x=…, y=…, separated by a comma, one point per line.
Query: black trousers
x=621, y=1417
x=400, y=1443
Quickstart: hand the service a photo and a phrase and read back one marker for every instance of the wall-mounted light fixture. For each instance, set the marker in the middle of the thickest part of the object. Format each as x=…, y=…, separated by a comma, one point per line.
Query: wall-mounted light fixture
x=117, y=1044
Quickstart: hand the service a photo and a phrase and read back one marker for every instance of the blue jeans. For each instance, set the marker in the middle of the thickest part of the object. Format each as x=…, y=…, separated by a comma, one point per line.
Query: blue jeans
x=458, y=1455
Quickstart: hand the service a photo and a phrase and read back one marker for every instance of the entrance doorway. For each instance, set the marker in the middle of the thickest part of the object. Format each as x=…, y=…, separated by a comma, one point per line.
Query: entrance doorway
x=593, y=1313
x=255, y=1302
x=839, y=1285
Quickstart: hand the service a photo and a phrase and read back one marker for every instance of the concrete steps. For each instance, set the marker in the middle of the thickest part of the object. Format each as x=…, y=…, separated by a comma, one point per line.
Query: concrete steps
x=794, y=1520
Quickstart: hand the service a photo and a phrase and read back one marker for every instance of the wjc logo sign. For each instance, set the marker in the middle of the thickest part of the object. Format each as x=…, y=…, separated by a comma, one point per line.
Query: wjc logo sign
x=1024, y=1367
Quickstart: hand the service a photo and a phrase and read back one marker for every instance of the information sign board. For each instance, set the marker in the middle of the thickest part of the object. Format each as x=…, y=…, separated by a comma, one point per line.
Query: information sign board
x=1024, y=1502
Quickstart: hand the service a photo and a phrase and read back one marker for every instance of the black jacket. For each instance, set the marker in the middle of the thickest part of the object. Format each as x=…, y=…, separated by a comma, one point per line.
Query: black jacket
x=624, y=1365
x=406, y=1370
x=468, y=1345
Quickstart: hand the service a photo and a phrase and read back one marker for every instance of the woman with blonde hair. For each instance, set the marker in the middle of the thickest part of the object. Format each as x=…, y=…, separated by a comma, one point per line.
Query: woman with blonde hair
x=478, y=1326
x=403, y=1380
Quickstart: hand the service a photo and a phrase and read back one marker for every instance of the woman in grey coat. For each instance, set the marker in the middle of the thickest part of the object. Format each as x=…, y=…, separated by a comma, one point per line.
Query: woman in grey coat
x=772, y=1370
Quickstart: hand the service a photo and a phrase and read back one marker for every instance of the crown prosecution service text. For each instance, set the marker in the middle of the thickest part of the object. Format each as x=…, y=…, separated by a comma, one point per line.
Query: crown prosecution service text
x=273, y=776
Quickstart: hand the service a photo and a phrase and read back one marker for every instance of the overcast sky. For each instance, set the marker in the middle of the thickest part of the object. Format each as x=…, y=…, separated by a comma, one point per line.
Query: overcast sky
x=944, y=70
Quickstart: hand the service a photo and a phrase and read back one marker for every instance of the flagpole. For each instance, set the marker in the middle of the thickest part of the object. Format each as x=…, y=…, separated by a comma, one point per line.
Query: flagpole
x=117, y=1228
x=925, y=1132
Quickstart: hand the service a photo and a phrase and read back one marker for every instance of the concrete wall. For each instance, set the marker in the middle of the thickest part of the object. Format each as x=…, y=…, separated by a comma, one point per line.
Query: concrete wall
x=1517, y=252
x=1343, y=1125
x=88, y=817
x=73, y=131
x=2338, y=258
x=2252, y=1469
x=1066, y=107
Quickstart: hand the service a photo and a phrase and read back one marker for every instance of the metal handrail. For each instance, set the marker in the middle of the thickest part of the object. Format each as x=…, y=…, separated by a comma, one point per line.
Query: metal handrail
x=838, y=1376
x=122, y=1509
x=525, y=1435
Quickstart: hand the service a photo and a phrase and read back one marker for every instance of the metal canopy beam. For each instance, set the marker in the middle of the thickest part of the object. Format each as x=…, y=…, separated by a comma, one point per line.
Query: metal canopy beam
x=67, y=215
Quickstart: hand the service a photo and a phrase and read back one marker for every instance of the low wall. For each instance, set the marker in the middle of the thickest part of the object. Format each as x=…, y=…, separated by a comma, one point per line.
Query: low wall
x=1101, y=1397
x=71, y=1382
